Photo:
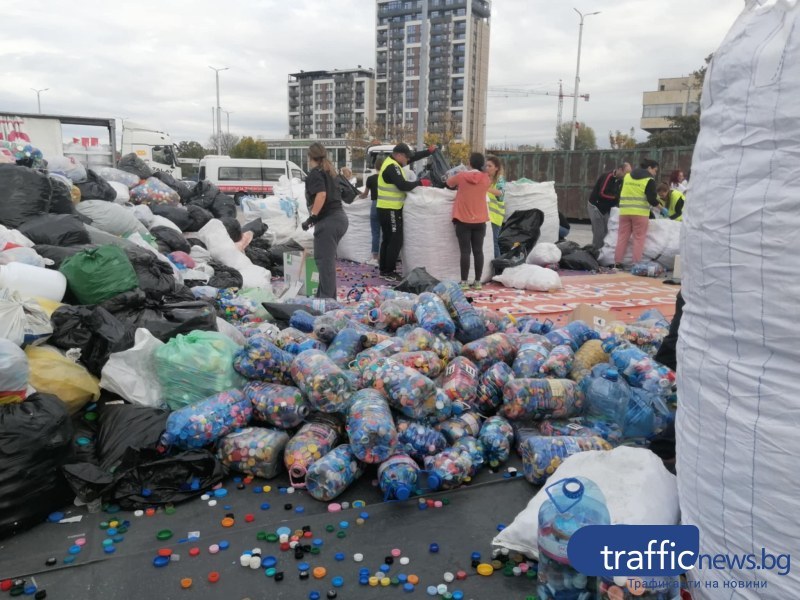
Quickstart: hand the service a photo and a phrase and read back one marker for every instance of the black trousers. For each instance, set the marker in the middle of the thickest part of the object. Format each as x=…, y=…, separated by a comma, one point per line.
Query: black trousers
x=328, y=232
x=391, y=222
x=470, y=239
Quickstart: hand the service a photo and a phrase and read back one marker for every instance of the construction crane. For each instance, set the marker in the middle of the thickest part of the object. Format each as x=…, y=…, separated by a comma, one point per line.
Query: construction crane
x=510, y=93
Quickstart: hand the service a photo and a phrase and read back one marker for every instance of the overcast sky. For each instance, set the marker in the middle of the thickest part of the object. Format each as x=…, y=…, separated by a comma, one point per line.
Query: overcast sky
x=148, y=60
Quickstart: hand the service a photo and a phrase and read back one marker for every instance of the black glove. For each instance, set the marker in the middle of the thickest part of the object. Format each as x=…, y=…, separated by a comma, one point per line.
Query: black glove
x=309, y=222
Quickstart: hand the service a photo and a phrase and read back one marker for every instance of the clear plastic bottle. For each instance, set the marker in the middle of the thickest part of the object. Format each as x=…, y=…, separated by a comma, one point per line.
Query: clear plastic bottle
x=282, y=406
x=397, y=477
x=607, y=396
x=295, y=341
x=469, y=324
x=648, y=268
x=322, y=381
x=639, y=369
x=332, y=474
x=541, y=455
x=327, y=326
x=426, y=362
x=460, y=380
x=393, y=314
x=370, y=426
x=490, y=350
x=408, y=391
x=497, y=437
x=448, y=469
x=525, y=399
x=574, y=334
x=476, y=451
x=302, y=321
x=489, y=396
x=260, y=359
x=454, y=429
x=390, y=294
x=533, y=325
x=345, y=346
x=571, y=504
x=314, y=439
x=582, y=427
x=419, y=440
x=559, y=362
x=432, y=315
x=381, y=350
x=255, y=451
x=530, y=358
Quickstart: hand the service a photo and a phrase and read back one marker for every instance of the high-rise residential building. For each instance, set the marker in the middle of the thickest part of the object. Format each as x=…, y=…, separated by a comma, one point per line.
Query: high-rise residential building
x=457, y=76
x=675, y=97
x=330, y=104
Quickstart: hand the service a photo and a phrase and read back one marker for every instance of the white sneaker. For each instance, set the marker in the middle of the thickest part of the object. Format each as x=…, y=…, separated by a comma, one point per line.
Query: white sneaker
x=372, y=262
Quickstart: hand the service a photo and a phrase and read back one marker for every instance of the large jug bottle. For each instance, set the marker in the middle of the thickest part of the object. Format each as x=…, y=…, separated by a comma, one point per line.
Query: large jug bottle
x=315, y=439
x=607, y=397
x=332, y=474
x=370, y=426
x=571, y=504
x=397, y=477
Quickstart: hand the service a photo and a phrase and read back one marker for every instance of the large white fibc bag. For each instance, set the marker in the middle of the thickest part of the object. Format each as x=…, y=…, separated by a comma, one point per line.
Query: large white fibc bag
x=524, y=195
x=221, y=247
x=283, y=212
x=662, y=244
x=738, y=355
x=356, y=245
x=429, y=236
x=637, y=488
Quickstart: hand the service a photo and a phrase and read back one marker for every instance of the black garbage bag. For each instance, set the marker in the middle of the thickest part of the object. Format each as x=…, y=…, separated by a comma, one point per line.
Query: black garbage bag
x=283, y=311
x=170, y=240
x=208, y=196
x=512, y=258
x=133, y=164
x=59, y=254
x=592, y=250
x=224, y=277
x=94, y=331
x=124, y=426
x=177, y=214
x=276, y=255
x=223, y=207
x=166, y=317
x=416, y=282
x=61, y=198
x=55, y=230
x=260, y=257
x=521, y=229
x=84, y=437
x=183, y=190
x=257, y=226
x=193, y=241
x=233, y=227
x=35, y=441
x=24, y=194
x=198, y=217
x=96, y=188
x=436, y=169
x=579, y=260
x=156, y=278
x=567, y=247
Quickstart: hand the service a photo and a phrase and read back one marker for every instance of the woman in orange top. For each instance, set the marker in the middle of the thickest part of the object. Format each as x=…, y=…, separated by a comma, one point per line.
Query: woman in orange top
x=470, y=214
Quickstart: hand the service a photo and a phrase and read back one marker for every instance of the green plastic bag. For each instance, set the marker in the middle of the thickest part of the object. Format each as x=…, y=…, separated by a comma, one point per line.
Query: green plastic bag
x=99, y=274
x=195, y=366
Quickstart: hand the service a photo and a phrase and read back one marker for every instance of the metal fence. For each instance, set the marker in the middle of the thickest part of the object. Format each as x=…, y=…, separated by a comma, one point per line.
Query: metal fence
x=575, y=173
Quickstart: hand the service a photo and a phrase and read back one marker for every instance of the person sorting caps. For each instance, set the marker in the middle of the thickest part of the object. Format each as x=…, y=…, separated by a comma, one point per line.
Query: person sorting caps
x=392, y=188
x=637, y=195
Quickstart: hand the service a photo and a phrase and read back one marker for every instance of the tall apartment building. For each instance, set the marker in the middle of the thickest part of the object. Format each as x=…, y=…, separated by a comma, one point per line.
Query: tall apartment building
x=330, y=104
x=676, y=96
x=458, y=66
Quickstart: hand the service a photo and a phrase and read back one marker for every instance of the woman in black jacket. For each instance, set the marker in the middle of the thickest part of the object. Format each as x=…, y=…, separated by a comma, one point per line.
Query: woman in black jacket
x=326, y=216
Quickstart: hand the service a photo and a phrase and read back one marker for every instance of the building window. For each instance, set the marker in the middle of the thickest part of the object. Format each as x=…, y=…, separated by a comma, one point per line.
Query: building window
x=651, y=111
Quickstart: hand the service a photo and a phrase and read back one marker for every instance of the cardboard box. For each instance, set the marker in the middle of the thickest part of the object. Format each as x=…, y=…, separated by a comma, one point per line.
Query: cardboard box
x=592, y=315
x=300, y=275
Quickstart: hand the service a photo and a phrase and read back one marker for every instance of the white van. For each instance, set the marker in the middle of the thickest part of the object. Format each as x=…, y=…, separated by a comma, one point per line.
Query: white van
x=247, y=176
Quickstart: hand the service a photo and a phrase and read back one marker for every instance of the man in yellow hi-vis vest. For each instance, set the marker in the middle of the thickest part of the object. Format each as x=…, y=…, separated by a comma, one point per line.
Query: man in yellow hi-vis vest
x=392, y=188
x=637, y=195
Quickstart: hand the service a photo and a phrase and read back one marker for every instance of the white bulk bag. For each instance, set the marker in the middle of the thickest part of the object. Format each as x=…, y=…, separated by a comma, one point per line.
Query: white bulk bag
x=429, y=236
x=356, y=245
x=530, y=277
x=737, y=351
x=521, y=195
x=661, y=245
x=221, y=247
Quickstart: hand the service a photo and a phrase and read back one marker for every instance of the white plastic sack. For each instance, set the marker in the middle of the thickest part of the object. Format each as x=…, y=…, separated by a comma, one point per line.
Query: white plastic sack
x=144, y=214
x=131, y=373
x=159, y=221
x=429, y=236
x=526, y=195
x=530, y=277
x=637, y=487
x=662, y=244
x=123, y=194
x=222, y=248
x=225, y=328
x=23, y=321
x=24, y=255
x=356, y=245
x=12, y=236
x=111, y=217
x=543, y=254
x=737, y=351
x=284, y=215
x=68, y=167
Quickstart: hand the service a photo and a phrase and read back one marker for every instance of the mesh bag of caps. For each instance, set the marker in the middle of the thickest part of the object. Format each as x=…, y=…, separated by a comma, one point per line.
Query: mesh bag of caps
x=408, y=382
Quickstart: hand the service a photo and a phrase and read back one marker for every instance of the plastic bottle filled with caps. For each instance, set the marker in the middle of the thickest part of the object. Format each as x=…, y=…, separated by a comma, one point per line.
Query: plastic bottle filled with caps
x=541, y=399
x=323, y=382
x=460, y=380
x=448, y=469
x=530, y=358
x=574, y=334
x=469, y=324
x=475, y=450
x=370, y=426
x=490, y=350
x=541, y=456
x=256, y=451
x=497, y=437
x=433, y=316
x=332, y=474
x=282, y=406
x=489, y=395
x=314, y=439
x=345, y=346
x=455, y=428
x=419, y=440
x=397, y=477
x=260, y=359
x=559, y=362
x=393, y=314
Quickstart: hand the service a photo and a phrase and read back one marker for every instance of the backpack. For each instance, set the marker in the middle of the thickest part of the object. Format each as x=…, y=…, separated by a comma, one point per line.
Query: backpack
x=347, y=191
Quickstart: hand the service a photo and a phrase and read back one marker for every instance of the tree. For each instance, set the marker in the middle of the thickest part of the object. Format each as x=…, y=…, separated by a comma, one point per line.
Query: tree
x=447, y=136
x=584, y=138
x=622, y=141
x=249, y=148
x=192, y=150
x=228, y=141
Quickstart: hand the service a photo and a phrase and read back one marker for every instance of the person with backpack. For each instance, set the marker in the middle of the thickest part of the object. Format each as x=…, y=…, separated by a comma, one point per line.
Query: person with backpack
x=326, y=216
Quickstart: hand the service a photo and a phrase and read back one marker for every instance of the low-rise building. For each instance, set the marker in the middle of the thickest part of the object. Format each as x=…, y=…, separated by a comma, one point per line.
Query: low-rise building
x=675, y=97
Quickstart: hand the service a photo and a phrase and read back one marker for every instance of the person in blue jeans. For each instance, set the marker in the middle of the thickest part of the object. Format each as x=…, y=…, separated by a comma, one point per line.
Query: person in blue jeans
x=371, y=189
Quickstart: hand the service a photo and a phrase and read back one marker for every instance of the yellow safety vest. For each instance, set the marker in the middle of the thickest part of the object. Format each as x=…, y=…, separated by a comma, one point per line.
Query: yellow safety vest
x=632, y=198
x=497, y=208
x=389, y=195
x=674, y=197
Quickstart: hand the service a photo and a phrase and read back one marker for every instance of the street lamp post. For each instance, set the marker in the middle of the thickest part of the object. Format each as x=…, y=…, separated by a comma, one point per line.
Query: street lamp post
x=577, y=79
x=38, y=97
x=219, y=113
x=228, y=118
